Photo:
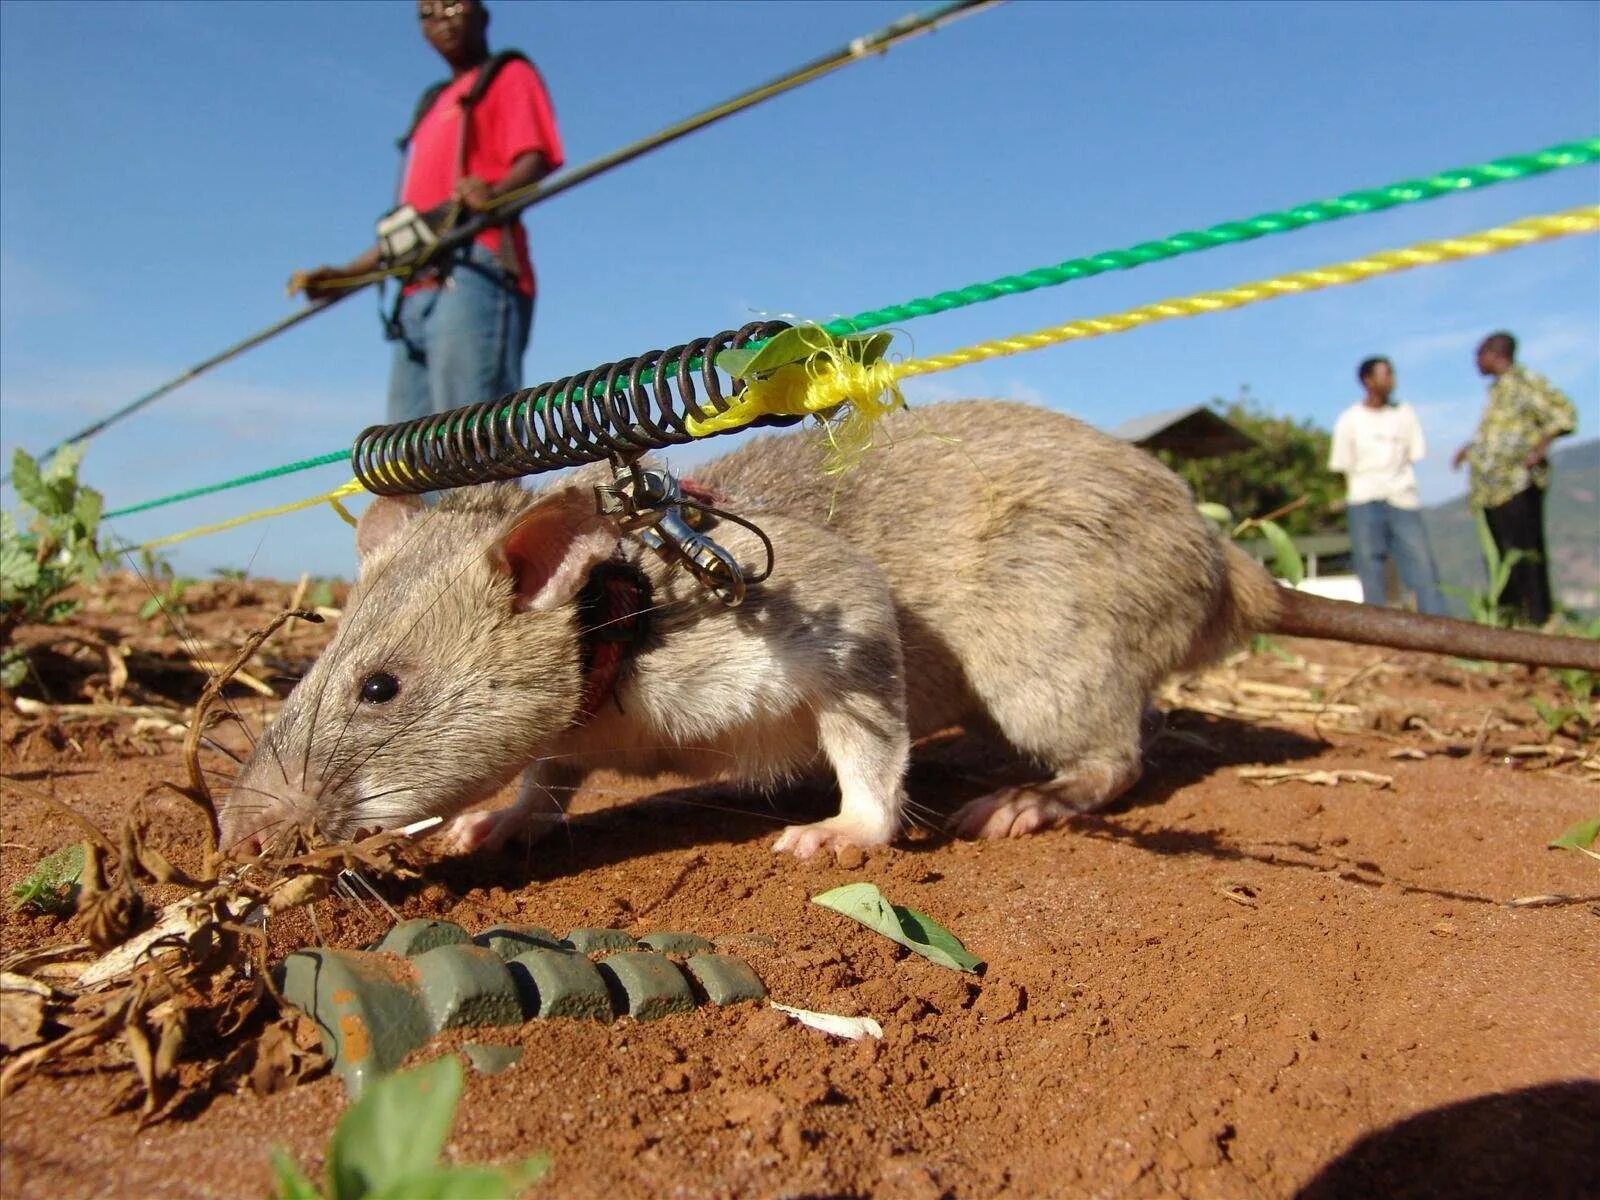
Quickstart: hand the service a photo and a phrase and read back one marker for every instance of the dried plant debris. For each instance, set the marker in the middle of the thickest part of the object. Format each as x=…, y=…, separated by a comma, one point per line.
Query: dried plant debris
x=199, y=964
x=1272, y=776
x=24, y=1006
x=853, y=1028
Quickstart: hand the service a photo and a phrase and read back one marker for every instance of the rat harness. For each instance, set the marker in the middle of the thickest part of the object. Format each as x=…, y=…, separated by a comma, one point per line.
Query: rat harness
x=674, y=519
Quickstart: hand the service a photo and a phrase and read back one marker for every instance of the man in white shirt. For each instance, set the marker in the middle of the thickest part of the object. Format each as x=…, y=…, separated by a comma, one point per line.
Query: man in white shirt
x=1374, y=444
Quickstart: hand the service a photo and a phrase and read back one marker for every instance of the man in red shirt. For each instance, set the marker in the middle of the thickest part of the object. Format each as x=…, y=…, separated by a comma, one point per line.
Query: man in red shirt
x=460, y=332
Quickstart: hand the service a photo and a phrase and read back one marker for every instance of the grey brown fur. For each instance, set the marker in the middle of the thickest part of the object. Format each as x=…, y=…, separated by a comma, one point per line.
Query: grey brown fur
x=996, y=565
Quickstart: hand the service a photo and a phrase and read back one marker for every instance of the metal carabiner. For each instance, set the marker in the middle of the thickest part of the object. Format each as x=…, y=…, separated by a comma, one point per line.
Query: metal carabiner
x=649, y=505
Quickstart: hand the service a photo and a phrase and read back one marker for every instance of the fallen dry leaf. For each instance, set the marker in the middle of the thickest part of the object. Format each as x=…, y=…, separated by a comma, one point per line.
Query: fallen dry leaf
x=22, y=1018
x=1271, y=776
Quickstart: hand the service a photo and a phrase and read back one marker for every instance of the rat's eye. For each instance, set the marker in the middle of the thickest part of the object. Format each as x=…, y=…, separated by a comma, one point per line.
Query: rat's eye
x=379, y=688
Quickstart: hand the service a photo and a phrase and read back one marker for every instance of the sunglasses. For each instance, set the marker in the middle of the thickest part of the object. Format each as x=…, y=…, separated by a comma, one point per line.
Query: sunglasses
x=440, y=10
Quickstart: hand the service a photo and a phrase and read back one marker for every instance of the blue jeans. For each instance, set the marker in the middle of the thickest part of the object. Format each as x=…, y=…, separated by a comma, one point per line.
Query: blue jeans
x=460, y=343
x=1379, y=531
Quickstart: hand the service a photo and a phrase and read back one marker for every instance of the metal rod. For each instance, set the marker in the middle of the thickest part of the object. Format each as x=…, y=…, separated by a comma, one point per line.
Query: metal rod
x=513, y=203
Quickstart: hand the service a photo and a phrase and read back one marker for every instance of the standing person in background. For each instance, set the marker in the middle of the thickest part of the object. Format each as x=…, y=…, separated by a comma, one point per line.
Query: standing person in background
x=462, y=326
x=1510, y=470
x=1375, y=443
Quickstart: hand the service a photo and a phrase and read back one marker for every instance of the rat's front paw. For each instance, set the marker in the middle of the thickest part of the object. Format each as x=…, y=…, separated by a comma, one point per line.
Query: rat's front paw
x=489, y=831
x=833, y=834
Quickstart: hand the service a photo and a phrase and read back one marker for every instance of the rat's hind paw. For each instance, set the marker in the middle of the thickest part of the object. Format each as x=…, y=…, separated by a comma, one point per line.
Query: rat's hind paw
x=1010, y=812
x=833, y=834
x=1031, y=808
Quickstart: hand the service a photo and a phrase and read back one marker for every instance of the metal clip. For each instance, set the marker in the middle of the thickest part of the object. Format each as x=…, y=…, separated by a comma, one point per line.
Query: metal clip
x=648, y=504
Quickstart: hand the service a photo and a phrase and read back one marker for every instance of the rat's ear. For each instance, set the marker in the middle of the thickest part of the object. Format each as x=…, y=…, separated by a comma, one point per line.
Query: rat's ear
x=551, y=548
x=382, y=522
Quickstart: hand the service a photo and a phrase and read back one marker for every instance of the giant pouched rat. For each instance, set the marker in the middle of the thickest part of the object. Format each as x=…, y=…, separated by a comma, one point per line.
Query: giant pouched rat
x=993, y=565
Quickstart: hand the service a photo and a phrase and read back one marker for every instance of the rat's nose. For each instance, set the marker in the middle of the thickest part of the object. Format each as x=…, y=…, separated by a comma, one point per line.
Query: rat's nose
x=263, y=804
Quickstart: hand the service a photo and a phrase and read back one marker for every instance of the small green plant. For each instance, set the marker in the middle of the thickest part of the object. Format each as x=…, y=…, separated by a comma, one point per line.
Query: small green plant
x=231, y=574
x=169, y=600
x=153, y=565
x=1285, y=558
x=1484, y=607
x=52, y=885
x=1576, y=710
x=387, y=1146
x=57, y=549
x=320, y=594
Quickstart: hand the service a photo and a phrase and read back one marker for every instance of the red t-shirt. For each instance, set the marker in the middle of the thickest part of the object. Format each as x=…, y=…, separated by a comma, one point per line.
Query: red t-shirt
x=513, y=118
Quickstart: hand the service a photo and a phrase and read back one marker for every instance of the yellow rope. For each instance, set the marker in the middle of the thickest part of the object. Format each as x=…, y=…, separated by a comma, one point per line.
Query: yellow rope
x=353, y=488
x=1386, y=262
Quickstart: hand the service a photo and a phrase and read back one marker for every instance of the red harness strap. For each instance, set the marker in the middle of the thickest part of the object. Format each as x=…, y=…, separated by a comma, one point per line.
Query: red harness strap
x=612, y=611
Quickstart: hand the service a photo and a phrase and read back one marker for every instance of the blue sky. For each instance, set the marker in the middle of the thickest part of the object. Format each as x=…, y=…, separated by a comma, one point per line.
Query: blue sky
x=164, y=166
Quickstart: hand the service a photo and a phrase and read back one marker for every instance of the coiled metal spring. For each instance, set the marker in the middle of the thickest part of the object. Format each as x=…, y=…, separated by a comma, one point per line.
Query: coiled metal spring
x=608, y=412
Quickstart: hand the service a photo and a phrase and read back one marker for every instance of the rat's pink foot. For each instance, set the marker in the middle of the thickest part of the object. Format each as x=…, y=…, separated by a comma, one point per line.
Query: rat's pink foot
x=1010, y=812
x=833, y=834
x=1017, y=811
x=489, y=831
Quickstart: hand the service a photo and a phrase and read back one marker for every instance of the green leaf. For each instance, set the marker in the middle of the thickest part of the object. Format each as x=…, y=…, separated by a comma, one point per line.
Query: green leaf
x=291, y=1181
x=58, y=612
x=798, y=344
x=1219, y=513
x=1552, y=718
x=86, y=510
x=27, y=482
x=467, y=1182
x=449, y=1183
x=150, y=608
x=64, y=462
x=1491, y=552
x=320, y=595
x=395, y=1130
x=50, y=884
x=1284, y=555
x=18, y=569
x=914, y=930
x=867, y=349
x=1579, y=837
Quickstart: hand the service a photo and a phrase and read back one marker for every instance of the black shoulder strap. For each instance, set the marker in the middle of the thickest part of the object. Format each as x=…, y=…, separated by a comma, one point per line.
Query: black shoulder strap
x=480, y=87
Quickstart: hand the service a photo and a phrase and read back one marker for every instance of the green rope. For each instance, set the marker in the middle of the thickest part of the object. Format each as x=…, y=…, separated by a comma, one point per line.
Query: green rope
x=1371, y=200
x=1413, y=191
x=305, y=464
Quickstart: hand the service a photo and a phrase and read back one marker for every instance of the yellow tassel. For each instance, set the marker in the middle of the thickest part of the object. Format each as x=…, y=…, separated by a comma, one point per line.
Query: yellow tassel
x=846, y=397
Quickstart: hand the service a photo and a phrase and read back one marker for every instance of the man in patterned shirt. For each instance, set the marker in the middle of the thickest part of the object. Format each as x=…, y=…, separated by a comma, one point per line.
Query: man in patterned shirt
x=1510, y=471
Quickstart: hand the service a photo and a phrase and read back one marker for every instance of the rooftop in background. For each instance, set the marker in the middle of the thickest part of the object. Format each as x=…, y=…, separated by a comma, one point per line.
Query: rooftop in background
x=1193, y=432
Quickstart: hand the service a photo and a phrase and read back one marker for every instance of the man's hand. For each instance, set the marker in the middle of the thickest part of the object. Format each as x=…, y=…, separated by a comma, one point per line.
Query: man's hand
x=324, y=283
x=316, y=284
x=1460, y=457
x=1537, y=454
x=474, y=193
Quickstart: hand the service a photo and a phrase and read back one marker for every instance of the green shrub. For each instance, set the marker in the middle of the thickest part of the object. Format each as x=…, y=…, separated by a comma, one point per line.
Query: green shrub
x=52, y=545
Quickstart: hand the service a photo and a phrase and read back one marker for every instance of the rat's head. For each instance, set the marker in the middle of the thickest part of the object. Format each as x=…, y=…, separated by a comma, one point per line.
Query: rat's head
x=456, y=661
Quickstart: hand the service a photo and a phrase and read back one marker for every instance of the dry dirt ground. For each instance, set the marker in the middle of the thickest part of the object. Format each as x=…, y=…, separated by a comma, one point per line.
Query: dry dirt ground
x=1216, y=988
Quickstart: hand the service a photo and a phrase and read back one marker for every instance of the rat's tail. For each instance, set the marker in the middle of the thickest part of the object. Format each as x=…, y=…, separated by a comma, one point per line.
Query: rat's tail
x=1304, y=615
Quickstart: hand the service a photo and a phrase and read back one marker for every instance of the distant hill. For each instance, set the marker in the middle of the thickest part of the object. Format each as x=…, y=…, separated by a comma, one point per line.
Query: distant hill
x=1572, y=531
